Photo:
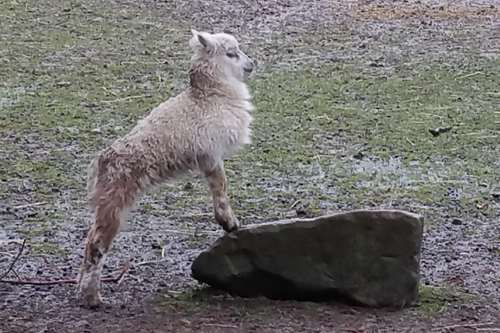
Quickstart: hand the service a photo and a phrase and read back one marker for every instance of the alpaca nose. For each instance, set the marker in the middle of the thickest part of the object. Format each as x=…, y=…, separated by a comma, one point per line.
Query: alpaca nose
x=249, y=67
x=248, y=70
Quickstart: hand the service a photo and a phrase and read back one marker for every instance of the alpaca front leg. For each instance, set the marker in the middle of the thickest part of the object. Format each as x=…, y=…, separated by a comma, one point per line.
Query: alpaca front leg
x=223, y=213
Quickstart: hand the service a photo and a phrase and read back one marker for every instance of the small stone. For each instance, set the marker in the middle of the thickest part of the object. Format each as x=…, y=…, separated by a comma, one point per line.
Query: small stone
x=358, y=156
x=437, y=131
x=63, y=83
x=371, y=257
x=456, y=222
x=301, y=212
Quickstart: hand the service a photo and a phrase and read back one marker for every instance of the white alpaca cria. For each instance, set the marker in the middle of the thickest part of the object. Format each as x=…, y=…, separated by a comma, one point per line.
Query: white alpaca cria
x=193, y=131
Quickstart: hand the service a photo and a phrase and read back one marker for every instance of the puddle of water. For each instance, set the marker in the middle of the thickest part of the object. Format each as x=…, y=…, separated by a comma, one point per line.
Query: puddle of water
x=393, y=173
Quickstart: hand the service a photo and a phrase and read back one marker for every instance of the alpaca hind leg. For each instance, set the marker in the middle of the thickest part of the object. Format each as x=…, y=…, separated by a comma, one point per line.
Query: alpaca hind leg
x=99, y=240
x=224, y=215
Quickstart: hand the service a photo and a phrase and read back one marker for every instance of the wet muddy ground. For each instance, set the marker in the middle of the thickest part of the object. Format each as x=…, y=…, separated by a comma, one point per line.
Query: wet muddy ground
x=345, y=92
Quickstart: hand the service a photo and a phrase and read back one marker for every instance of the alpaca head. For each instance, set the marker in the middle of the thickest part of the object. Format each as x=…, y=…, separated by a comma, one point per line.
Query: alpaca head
x=222, y=51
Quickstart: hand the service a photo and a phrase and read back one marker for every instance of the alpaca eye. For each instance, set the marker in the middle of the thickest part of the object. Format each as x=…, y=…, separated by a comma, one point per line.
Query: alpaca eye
x=232, y=55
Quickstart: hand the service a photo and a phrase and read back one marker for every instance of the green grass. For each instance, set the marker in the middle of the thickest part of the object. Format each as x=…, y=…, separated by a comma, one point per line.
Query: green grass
x=433, y=300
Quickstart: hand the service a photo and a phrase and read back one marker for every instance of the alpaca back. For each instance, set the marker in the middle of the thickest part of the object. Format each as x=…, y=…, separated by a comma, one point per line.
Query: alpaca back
x=209, y=121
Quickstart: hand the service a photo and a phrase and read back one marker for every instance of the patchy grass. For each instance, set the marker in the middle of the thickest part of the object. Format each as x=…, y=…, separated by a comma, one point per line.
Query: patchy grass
x=327, y=111
x=66, y=93
x=432, y=300
x=329, y=134
x=435, y=300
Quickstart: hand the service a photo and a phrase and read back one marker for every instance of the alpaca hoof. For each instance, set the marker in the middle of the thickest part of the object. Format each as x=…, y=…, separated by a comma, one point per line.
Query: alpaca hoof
x=231, y=229
x=92, y=301
x=232, y=225
x=228, y=221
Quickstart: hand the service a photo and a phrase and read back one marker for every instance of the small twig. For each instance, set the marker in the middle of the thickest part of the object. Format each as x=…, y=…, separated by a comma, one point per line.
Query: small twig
x=17, y=275
x=221, y=325
x=8, y=241
x=30, y=205
x=120, y=277
x=14, y=261
x=126, y=98
x=303, y=58
x=424, y=207
x=468, y=75
x=142, y=263
x=109, y=91
x=462, y=325
x=189, y=232
x=487, y=137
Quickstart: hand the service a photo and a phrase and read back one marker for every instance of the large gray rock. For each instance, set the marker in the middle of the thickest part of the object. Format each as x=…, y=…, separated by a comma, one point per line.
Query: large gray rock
x=370, y=257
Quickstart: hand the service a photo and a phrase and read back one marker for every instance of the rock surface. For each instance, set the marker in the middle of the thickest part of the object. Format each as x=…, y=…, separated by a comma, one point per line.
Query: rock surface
x=369, y=257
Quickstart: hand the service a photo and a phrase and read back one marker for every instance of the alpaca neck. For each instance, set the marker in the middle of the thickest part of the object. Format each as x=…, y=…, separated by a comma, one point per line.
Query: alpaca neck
x=208, y=80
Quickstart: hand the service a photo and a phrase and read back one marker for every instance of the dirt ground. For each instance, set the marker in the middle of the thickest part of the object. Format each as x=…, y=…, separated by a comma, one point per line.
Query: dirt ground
x=346, y=92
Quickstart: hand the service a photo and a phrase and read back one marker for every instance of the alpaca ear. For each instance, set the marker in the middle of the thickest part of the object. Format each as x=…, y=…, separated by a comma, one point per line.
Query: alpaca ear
x=204, y=39
x=195, y=33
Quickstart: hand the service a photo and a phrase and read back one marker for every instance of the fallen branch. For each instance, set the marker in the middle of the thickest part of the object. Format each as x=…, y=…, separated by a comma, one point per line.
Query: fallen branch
x=117, y=279
x=39, y=283
x=14, y=261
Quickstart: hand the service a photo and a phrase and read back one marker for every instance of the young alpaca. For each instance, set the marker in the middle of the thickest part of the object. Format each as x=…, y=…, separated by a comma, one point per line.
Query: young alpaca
x=194, y=131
